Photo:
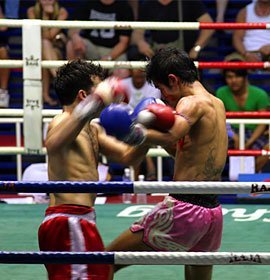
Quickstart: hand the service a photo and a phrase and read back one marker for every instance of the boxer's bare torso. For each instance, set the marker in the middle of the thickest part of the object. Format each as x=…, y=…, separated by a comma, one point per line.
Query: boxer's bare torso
x=76, y=161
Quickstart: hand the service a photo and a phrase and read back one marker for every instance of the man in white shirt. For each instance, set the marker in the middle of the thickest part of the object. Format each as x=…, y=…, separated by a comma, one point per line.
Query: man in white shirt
x=254, y=44
x=138, y=89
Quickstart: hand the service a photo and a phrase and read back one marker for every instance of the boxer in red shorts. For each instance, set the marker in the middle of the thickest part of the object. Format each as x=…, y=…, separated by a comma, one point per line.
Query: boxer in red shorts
x=73, y=144
x=197, y=138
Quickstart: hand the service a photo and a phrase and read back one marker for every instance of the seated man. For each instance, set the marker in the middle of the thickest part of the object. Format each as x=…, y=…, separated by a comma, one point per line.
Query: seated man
x=238, y=95
x=159, y=10
x=254, y=44
x=100, y=44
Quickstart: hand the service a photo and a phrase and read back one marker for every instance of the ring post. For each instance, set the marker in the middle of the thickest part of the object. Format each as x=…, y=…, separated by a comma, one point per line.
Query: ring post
x=32, y=86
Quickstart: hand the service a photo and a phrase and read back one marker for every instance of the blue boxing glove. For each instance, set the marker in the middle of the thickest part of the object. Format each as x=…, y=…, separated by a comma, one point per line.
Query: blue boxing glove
x=142, y=105
x=116, y=120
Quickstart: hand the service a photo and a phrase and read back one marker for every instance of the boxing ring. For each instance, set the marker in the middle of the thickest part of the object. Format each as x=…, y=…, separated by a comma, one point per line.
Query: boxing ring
x=32, y=114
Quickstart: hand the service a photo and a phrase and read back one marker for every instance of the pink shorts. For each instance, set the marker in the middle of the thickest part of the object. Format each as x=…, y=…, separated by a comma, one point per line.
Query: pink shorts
x=180, y=226
x=72, y=228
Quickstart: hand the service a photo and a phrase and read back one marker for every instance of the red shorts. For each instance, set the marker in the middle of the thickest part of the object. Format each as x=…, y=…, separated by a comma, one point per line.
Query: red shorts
x=72, y=228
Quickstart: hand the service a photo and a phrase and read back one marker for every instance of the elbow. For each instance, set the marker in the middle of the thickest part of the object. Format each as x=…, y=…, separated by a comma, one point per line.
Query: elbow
x=48, y=147
x=172, y=141
x=129, y=161
x=52, y=146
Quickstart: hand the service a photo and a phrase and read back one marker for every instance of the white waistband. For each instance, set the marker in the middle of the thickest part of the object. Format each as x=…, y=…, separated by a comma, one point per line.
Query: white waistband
x=90, y=217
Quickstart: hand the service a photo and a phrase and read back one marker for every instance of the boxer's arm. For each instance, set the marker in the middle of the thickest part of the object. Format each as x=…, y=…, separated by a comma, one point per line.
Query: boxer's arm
x=188, y=112
x=111, y=90
x=65, y=128
x=118, y=151
x=62, y=131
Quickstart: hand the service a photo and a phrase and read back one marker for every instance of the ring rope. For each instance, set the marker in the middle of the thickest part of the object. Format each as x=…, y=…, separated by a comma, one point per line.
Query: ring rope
x=248, y=153
x=127, y=25
x=53, y=112
x=153, y=152
x=47, y=64
x=183, y=187
x=137, y=258
x=248, y=115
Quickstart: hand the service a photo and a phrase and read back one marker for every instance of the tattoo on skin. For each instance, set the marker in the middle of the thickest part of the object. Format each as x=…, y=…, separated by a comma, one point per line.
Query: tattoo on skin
x=94, y=141
x=211, y=172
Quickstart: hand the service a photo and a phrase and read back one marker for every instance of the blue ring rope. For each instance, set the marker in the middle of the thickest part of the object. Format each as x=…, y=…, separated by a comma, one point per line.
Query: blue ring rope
x=56, y=257
x=66, y=187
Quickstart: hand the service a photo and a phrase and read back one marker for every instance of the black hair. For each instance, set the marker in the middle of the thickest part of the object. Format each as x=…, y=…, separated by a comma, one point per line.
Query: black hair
x=237, y=72
x=137, y=56
x=171, y=61
x=74, y=76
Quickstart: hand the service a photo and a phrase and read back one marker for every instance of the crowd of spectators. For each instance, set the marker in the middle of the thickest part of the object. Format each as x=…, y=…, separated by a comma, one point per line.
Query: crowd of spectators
x=117, y=44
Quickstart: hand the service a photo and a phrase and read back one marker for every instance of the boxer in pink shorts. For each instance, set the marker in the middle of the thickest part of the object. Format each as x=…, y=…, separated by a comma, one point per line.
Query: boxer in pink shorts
x=197, y=140
x=78, y=233
x=175, y=225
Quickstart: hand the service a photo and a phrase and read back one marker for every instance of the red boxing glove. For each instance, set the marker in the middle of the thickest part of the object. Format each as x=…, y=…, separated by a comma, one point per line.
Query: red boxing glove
x=112, y=90
x=157, y=116
x=120, y=91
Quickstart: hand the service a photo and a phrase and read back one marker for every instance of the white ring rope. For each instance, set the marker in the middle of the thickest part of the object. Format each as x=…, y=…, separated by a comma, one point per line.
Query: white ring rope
x=47, y=64
x=191, y=258
x=154, y=152
x=103, y=24
x=201, y=187
x=19, y=112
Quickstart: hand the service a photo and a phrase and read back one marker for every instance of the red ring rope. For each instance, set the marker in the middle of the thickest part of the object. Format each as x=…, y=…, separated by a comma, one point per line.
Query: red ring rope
x=247, y=115
x=233, y=65
x=248, y=153
x=242, y=25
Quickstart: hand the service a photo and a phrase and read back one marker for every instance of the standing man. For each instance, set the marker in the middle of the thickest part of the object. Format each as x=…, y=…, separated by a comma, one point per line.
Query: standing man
x=138, y=89
x=73, y=146
x=198, y=142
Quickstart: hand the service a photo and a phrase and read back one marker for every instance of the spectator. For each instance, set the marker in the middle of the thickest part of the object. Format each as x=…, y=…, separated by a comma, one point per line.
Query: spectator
x=100, y=44
x=168, y=10
x=4, y=72
x=138, y=89
x=253, y=45
x=238, y=95
x=53, y=39
x=137, y=86
x=221, y=6
x=12, y=8
x=134, y=4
